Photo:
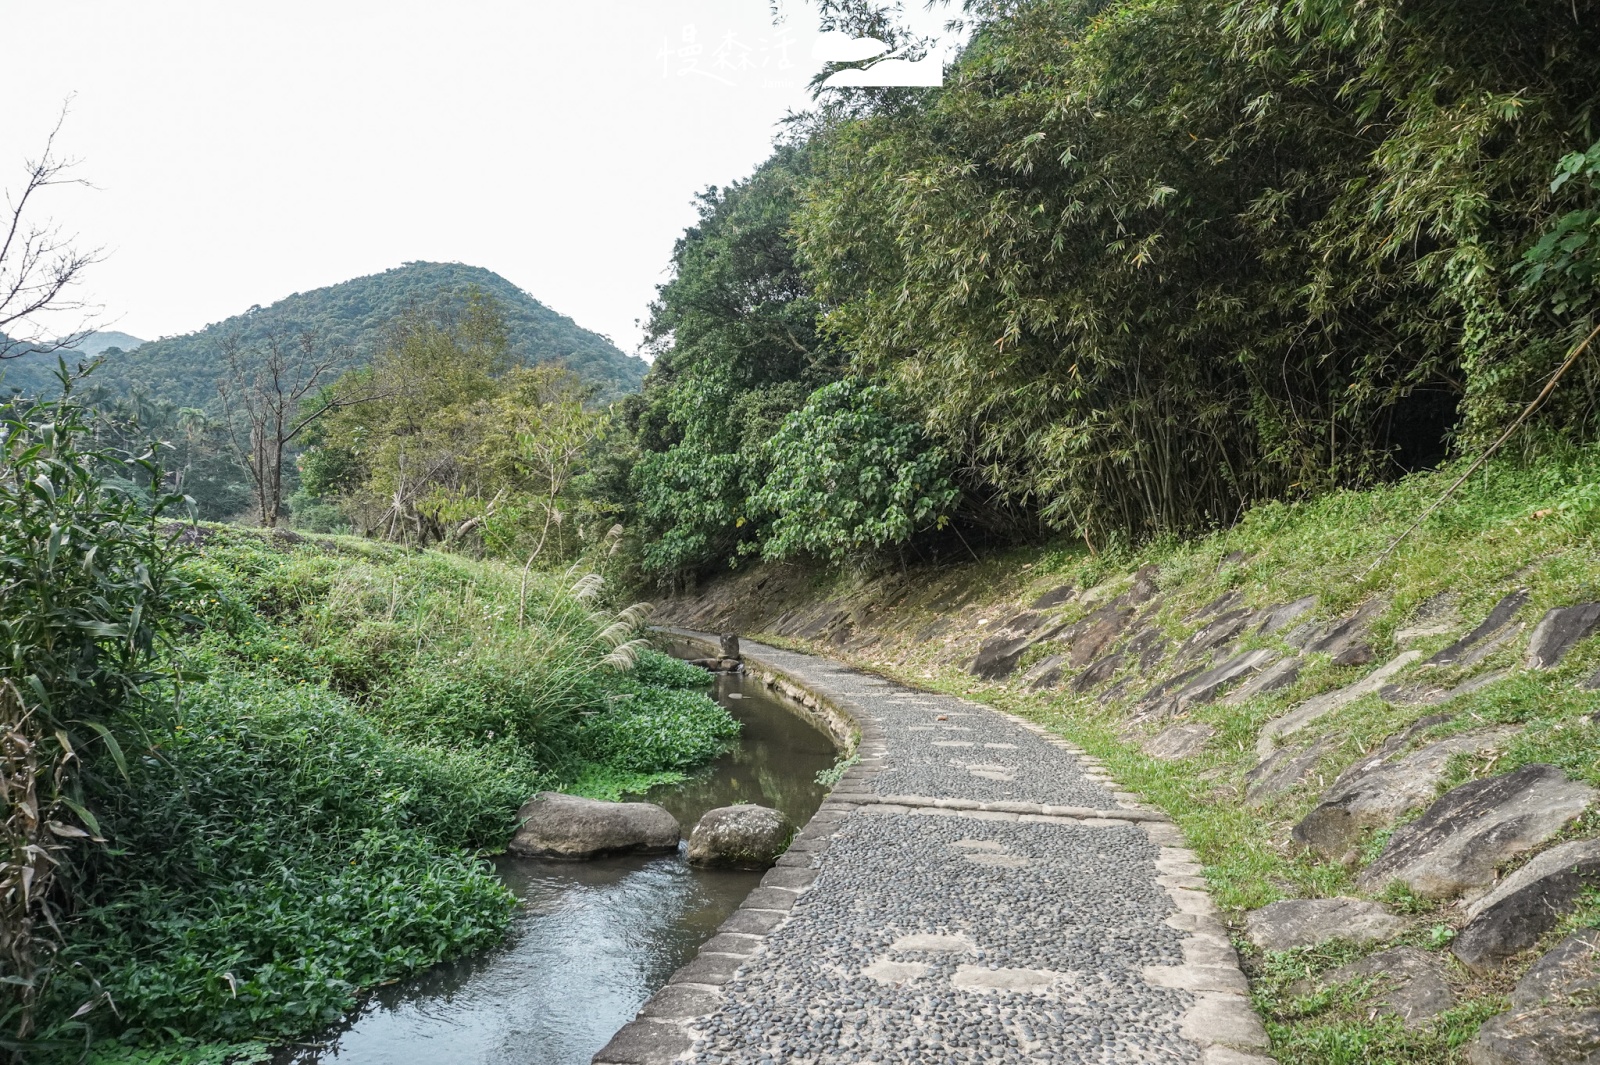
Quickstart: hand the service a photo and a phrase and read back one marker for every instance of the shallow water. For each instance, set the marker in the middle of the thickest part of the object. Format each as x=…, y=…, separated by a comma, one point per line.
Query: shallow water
x=591, y=940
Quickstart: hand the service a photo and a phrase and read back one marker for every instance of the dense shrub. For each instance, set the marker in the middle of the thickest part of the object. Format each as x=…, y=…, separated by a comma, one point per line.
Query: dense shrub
x=851, y=472
x=1140, y=263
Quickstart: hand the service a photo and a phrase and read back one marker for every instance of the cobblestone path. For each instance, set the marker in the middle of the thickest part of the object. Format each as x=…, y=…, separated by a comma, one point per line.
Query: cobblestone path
x=974, y=890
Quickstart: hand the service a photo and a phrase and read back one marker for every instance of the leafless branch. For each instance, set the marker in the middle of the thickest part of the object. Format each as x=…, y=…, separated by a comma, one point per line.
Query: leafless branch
x=39, y=265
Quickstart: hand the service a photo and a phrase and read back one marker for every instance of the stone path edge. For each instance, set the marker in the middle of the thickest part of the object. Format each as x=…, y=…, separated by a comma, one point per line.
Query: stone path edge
x=1221, y=1021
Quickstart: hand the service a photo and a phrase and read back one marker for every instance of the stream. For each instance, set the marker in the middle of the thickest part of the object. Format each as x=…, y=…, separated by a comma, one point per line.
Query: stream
x=591, y=940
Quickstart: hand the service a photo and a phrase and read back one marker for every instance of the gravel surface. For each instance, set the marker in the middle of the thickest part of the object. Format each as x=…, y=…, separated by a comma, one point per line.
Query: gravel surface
x=1079, y=919
x=926, y=934
x=946, y=748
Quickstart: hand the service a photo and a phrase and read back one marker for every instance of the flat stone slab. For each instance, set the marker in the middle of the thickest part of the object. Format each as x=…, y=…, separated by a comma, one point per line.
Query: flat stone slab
x=1286, y=769
x=1312, y=922
x=644, y=1042
x=1320, y=706
x=1528, y=903
x=999, y=654
x=1502, y=615
x=1570, y=969
x=1552, y=1036
x=1558, y=632
x=1375, y=792
x=1206, y=686
x=1179, y=741
x=1281, y=674
x=1456, y=845
x=1405, y=981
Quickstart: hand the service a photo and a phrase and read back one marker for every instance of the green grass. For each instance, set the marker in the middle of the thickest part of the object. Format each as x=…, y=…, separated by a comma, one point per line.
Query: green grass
x=308, y=816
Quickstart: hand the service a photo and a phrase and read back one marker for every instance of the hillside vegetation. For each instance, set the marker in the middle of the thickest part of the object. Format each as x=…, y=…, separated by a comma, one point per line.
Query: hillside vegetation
x=1137, y=266
x=253, y=774
x=352, y=319
x=1122, y=652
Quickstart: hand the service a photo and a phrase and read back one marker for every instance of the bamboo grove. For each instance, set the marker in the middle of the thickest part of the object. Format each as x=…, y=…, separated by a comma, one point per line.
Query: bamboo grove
x=1137, y=265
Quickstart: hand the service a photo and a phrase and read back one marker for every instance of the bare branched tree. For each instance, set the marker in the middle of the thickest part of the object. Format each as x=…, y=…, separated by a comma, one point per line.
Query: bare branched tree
x=39, y=264
x=262, y=402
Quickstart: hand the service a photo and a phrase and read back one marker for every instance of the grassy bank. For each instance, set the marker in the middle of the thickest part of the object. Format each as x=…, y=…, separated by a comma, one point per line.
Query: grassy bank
x=1514, y=525
x=307, y=815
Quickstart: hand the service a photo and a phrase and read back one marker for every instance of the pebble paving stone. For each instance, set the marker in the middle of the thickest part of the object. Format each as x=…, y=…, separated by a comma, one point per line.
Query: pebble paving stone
x=968, y=893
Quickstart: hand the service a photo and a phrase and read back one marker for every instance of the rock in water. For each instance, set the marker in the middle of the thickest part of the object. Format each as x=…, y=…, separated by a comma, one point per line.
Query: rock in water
x=1310, y=922
x=566, y=826
x=1455, y=846
x=746, y=836
x=1528, y=903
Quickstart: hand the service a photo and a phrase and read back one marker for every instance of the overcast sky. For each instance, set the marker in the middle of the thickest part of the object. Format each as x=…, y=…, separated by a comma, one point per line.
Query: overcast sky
x=244, y=151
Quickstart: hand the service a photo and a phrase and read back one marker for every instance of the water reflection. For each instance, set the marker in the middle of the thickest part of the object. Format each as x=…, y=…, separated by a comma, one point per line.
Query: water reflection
x=592, y=940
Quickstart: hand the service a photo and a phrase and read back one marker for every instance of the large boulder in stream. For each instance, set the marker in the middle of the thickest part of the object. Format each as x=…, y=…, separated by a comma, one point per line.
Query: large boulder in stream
x=566, y=826
x=744, y=836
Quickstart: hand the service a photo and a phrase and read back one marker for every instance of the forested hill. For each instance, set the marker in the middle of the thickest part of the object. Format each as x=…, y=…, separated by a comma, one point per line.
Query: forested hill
x=352, y=317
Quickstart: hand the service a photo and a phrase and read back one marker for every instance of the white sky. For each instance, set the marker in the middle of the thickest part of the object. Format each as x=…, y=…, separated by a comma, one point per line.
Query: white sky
x=244, y=151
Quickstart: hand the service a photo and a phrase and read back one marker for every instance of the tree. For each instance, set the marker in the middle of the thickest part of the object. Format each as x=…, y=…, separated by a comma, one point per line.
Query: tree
x=403, y=446
x=264, y=401
x=850, y=474
x=39, y=265
x=462, y=449
x=737, y=350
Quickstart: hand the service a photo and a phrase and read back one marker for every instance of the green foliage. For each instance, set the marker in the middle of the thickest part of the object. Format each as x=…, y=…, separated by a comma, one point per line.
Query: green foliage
x=737, y=350
x=355, y=316
x=180, y=1052
x=849, y=473
x=273, y=853
x=1564, y=263
x=653, y=730
x=90, y=587
x=1141, y=263
x=309, y=819
x=439, y=441
x=834, y=773
x=1515, y=524
x=197, y=458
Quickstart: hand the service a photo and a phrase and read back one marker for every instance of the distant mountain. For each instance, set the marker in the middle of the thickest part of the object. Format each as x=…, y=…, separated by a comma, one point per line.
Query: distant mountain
x=95, y=343
x=352, y=316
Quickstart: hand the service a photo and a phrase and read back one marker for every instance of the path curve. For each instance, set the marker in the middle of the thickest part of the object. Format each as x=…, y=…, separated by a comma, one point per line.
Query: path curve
x=974, y=890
